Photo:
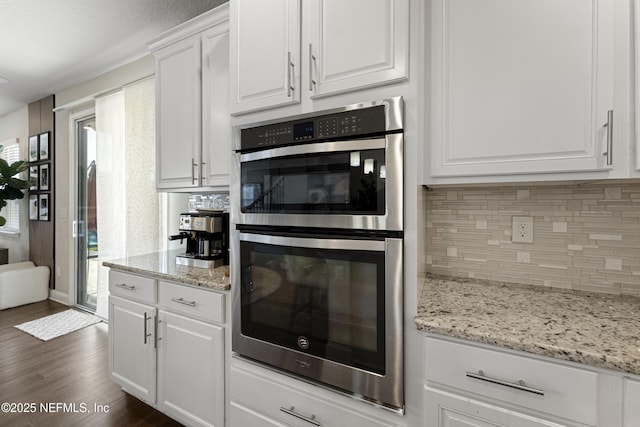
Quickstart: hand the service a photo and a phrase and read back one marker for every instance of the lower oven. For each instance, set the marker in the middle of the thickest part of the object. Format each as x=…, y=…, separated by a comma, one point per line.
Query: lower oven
x=327, y=308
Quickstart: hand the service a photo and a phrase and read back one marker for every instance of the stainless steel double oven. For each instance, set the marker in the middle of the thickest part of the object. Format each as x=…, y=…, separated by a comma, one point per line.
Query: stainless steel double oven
x=317, y=205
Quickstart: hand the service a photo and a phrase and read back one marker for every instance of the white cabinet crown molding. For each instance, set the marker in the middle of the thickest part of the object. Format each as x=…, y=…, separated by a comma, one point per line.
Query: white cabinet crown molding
x=191, y=27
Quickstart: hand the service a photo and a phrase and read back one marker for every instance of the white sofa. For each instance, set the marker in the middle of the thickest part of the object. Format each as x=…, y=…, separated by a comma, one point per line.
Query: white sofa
x=23, y=283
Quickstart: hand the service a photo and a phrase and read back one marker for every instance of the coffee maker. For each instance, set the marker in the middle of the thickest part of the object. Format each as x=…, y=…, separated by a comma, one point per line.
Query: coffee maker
x=207, y=236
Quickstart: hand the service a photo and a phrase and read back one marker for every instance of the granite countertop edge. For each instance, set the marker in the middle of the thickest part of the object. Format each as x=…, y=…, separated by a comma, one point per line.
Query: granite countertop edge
x=597, y=330
x=152, y=265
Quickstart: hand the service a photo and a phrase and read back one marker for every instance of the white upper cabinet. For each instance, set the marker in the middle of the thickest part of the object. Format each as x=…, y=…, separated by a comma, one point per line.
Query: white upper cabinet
x=265, y=54
x=178, y=114
x=287, y=51
x=356, y=44
x=521, y=87
x=193, y=131
x=216, y=125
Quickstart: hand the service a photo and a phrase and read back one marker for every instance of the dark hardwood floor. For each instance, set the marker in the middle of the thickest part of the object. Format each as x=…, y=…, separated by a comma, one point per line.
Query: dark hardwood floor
x=68, y=370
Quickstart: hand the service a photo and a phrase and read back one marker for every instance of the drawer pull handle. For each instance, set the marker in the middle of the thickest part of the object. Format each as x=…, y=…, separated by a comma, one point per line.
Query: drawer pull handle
x=182, y=301
x=126, y=287
x=520, y=385
x=293, y=413
x=146, y=333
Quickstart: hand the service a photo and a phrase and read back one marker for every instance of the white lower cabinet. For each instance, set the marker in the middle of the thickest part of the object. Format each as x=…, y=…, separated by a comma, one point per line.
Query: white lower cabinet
x=132, y=356
x=261, y=397
x=468, y=385
x=190, y=370
x=166, y=349
x=452, y=410
x=631, y=403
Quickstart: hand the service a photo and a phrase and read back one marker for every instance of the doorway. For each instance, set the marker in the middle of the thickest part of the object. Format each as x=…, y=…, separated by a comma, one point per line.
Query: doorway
x=86, y=224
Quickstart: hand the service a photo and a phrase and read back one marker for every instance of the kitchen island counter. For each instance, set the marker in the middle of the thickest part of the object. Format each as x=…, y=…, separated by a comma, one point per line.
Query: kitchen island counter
x=162, y=265
x=599, y=330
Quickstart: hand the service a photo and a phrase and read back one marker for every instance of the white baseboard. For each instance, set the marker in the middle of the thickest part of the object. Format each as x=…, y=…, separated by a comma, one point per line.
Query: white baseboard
x=57, y=296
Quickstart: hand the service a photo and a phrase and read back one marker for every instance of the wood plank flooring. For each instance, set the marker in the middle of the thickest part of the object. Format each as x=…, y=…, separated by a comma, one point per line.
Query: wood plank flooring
x=71, y=370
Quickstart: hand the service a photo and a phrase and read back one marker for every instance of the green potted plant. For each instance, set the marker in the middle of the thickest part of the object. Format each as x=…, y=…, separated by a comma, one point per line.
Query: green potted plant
x=11, y=187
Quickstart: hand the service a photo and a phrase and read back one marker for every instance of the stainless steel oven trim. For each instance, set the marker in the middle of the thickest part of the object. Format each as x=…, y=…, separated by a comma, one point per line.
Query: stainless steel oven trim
x=384, y=390
x=391, y=221
x=320, y=147
x=394, y=116
x=340, y=244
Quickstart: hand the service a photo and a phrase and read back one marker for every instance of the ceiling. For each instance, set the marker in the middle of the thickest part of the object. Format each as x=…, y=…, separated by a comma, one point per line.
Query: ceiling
x=47, y=46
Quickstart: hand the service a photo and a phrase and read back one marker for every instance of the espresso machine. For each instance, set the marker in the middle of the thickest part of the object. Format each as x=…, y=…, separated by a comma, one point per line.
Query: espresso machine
x=207, y=237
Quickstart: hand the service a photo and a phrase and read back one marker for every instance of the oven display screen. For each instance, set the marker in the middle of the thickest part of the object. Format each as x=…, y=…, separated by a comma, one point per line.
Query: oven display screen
x=303, y=130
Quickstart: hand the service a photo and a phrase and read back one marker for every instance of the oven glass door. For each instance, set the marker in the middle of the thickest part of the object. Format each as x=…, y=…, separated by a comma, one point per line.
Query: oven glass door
x=322, y=297
x=325, y=184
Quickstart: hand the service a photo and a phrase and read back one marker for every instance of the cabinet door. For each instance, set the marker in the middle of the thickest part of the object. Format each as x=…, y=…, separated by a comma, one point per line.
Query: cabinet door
x=520, y=87
x=132, y=355
x=356, y=44
x=450, y=410
x=216, y=125
x=178, y=115
x=191, y=370
x=265, y=54
x=631, y=400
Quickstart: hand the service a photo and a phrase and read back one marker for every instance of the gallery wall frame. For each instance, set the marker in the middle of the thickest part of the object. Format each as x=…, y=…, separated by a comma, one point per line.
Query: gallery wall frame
x=43, y=207
x=34, y=177
x=43, y=177
x=33, y=148
x=43, y=146
x=33, y=207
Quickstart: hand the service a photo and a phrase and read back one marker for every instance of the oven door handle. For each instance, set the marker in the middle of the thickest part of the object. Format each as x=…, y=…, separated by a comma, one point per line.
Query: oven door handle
x=311, y=243
x=320, y=147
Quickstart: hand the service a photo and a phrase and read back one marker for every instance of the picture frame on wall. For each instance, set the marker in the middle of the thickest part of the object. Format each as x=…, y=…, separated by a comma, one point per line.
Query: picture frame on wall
x=33, y=148
x=44, y=177
x=43, y=207
x=43, y=146
x=33, y=178
x=33, y=207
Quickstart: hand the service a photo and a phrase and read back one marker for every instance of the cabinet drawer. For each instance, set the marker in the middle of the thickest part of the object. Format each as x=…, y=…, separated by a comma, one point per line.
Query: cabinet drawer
x=192, y=301
x=267, y=395
x=554, y=389
x=133, y=287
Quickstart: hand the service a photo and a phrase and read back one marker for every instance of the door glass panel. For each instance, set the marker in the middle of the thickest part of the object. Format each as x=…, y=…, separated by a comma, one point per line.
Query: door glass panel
x=324, y=302
x=87, y=225
x=323, y=183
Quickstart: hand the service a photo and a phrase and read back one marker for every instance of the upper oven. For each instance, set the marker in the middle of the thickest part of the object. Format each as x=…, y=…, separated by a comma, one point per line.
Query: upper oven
x=336, y=169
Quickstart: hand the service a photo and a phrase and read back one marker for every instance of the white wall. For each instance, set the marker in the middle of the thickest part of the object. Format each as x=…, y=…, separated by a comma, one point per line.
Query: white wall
x=16, y=125
x=72, y=100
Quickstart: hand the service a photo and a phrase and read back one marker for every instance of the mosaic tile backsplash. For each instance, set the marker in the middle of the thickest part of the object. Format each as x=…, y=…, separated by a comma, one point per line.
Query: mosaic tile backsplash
x=209, y=201
x=585, y=236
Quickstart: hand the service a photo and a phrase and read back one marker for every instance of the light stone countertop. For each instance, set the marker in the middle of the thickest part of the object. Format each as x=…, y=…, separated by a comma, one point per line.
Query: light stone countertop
x=594, y=329
x=162, y=265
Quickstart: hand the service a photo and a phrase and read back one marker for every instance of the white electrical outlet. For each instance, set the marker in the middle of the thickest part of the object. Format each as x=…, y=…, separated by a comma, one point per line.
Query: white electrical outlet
x=522, y=229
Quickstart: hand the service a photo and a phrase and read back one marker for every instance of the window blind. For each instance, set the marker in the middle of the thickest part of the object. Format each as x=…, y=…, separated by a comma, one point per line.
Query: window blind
x=11, y=212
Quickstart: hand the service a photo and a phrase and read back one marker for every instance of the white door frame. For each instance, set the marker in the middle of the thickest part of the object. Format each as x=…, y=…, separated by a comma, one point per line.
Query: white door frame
x=74, y=117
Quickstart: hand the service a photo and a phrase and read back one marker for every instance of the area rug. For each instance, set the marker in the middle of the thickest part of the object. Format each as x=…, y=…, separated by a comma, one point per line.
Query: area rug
x=49, y=327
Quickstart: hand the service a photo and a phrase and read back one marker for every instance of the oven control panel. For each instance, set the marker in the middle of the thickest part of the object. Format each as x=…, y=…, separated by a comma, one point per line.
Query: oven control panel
x=341, y=125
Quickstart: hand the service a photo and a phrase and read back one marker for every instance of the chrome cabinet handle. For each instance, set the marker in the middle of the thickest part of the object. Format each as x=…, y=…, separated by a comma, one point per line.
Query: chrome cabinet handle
x=126, y=287
x=146, y=333
x=291, y=412
x=183, y=301
x=202, y=177
x=155, y=333
x=609, y=126
x=312, y=61
x=290, y=68
x=520, y=385
x=193, y=175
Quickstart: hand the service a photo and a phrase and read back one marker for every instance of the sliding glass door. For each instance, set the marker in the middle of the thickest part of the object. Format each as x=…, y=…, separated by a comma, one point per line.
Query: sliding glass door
x=86, y=224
